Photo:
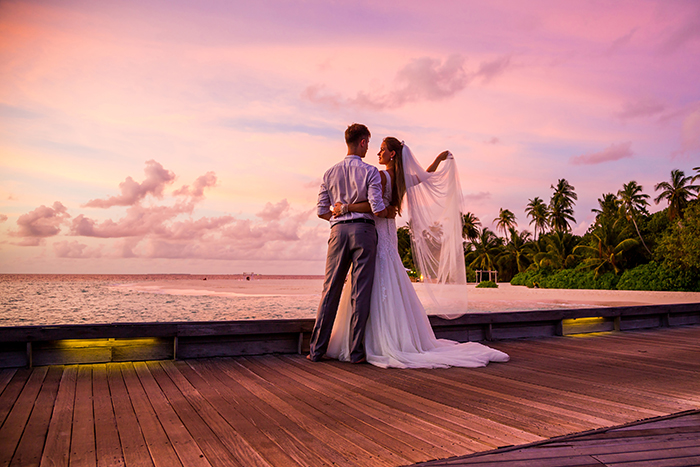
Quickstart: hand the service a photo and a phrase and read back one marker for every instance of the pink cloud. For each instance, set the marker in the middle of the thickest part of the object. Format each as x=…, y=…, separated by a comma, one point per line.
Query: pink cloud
x=613, y=152
x=41, y=223
x=423, y=79
x=65, y=249
x=207, y=180
x=3, y=218
x=690, y=133
x=645, y=107
x=475, y=197
x=139, y=221
x=273, y=212
x=687, y=32
x=133, y=192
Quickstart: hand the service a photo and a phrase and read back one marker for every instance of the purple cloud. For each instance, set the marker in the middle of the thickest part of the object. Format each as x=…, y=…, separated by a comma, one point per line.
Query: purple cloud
x=475, y=197
x=132, y=192
x=207, y=180
x=423, y=79
x=645, y=107
x=74, y=249
x=40, y=223
x=613, y=152
x=273, y=212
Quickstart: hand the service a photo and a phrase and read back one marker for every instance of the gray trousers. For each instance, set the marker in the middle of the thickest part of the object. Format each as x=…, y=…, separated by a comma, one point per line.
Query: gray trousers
x=350, y=244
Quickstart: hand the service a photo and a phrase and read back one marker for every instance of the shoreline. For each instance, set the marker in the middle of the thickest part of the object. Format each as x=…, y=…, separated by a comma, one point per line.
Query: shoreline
x=505, y=293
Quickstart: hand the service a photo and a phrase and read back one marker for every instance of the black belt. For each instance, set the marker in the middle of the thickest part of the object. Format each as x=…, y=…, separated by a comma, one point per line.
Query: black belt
x=361, y=220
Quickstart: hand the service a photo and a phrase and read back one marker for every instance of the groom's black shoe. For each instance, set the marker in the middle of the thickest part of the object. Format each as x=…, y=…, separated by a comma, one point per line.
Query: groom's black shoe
x=362, y=360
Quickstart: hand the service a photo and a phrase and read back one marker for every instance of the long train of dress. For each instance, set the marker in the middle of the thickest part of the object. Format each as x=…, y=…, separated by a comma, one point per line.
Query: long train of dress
x=398, y=332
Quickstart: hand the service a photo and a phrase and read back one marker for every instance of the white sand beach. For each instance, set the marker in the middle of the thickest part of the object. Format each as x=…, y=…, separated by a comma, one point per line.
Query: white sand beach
x=505, y=298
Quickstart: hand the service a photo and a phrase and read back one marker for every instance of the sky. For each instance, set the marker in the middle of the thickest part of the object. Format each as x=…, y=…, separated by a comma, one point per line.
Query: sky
x=191, y=136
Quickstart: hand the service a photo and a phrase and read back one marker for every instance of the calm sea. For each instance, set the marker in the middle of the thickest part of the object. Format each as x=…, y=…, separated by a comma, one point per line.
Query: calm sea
x=42, y=299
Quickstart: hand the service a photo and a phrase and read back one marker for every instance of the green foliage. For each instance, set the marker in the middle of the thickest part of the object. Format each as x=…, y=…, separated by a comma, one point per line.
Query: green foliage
x=487, y=285
x=616, y=251
x=566, y=279
x=404, y=239
x=679, y=247
x=413, y=274
x=656, y=276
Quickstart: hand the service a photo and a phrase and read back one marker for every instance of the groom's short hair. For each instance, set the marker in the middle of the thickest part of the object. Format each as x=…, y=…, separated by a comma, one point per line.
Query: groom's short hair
x=355, y=133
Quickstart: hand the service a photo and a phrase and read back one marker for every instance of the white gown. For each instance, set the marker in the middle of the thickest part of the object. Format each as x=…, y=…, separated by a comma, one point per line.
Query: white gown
x=398, y=333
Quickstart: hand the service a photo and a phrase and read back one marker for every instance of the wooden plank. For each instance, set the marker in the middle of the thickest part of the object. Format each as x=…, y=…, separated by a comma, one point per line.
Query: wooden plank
x=159, y=446
x=345, y=425
x=584, y=381
x=296, y=410
x=107, y=443
x=132, y=441
x=191, y=437
x=18, y=416
x=542, y=389
x=377, y=422
x=182, y=440
x=33, y=438
x=12, y=391
x=57, y=449
x=652, y=456
x=262, y=433
x=206, y=400
x=432, y=440
x=521, y=414
x=5, y=378
x=591, y=370
x=82, y=446
x=487, y=432
x=250, y=388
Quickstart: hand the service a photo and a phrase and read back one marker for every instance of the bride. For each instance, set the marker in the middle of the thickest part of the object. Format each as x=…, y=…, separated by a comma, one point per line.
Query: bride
x=398, y=332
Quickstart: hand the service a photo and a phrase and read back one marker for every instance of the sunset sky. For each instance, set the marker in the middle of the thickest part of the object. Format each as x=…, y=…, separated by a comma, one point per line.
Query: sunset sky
x=190, y=136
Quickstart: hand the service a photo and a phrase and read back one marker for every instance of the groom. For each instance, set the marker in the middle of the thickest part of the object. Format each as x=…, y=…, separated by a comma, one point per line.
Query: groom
x=353, y=241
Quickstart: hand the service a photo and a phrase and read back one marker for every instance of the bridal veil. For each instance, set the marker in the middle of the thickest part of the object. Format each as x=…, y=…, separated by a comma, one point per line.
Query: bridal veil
x=434, y=207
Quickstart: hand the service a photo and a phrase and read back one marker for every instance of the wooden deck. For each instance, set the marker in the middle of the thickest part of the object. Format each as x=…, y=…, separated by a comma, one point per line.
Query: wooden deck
x=279, y=410
x=673, y=440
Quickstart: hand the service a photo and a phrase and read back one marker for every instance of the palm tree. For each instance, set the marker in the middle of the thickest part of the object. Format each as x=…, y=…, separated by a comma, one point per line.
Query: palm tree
x=677, y=193
x=609, y=206
x=538, y=212
x=470, y=226
x=517, y=249
x=561, y=206
x=632, y=203
x=559, y=251
x=486, y=250
x=696, y=177
x=505, y=221
x=608, y=244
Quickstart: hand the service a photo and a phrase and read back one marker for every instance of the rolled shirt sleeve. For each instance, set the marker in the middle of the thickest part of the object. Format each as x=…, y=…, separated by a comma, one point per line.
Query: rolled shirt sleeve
x=324, y=200
x=374, y=191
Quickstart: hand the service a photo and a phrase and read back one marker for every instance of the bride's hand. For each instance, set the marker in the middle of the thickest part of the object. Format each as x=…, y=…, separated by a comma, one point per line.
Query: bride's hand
x=444, y=155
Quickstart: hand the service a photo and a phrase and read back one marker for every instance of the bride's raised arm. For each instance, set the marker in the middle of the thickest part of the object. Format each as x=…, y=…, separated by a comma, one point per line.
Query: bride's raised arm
x=440, y=157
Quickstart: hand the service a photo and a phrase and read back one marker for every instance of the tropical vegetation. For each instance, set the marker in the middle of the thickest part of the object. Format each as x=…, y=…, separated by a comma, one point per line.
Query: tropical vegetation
x=626, y=247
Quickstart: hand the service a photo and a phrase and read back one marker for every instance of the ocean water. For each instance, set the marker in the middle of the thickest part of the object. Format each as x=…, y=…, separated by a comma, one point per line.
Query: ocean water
x=44, y=299
x=80, y=299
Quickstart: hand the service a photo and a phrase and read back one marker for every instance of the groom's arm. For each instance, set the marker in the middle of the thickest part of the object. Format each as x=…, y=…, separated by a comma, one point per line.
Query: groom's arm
x=323, y=205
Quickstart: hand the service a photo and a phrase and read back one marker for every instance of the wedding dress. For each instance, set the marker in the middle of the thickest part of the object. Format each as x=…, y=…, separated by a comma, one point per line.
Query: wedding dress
x=398, y=332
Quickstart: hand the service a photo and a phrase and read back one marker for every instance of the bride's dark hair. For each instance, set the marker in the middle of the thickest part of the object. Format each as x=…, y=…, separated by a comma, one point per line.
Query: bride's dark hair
x=398, y=183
